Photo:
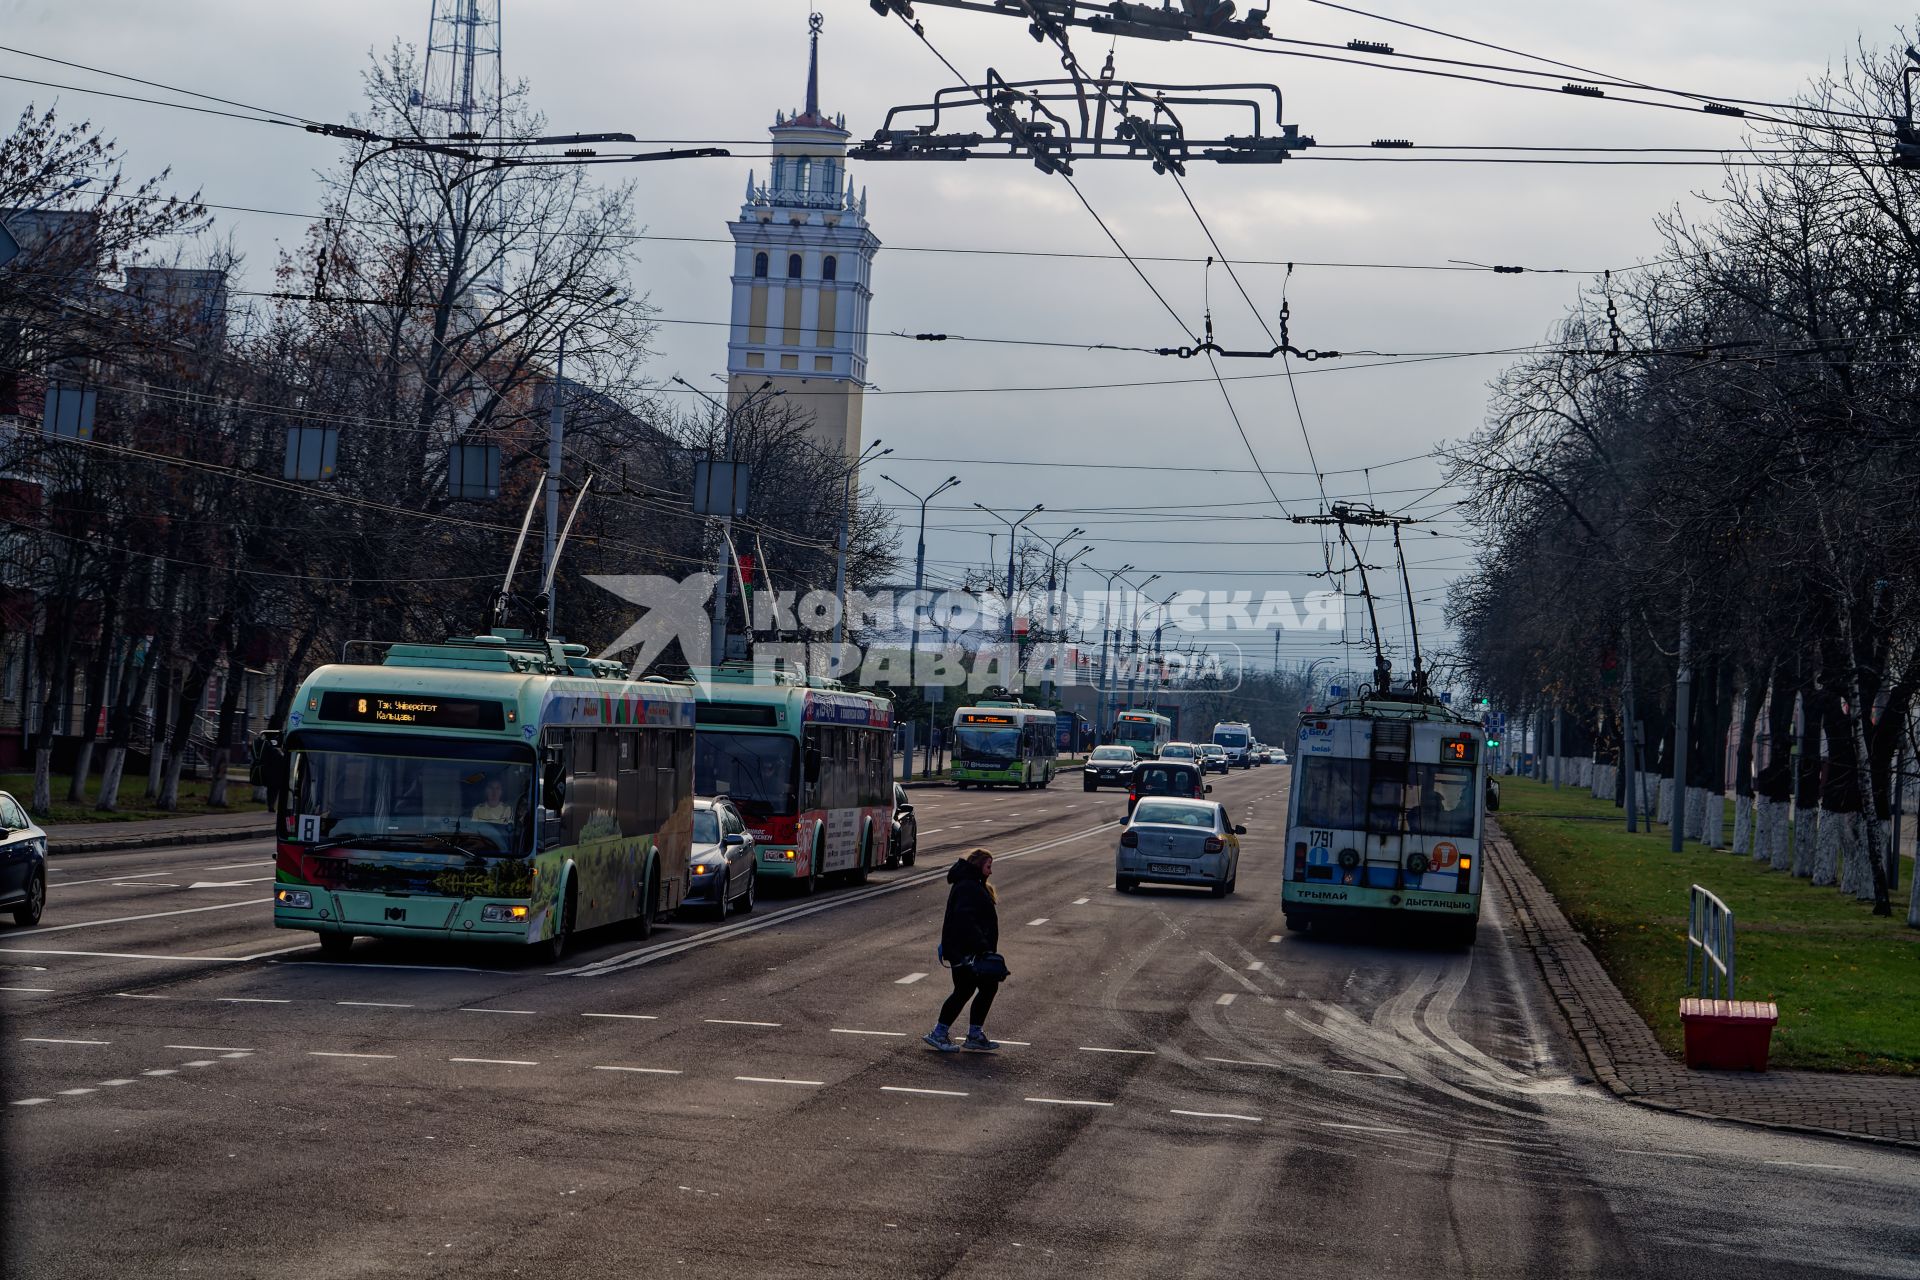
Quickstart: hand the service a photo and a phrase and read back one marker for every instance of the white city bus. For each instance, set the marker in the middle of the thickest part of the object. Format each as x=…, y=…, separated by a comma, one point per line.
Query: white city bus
x=1386, y=815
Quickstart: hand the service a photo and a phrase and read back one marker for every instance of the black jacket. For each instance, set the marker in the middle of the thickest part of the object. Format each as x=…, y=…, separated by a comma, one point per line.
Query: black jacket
x=972, y=926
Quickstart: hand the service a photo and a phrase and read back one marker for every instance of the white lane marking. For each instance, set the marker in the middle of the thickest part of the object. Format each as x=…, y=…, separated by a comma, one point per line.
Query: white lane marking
x=1024, y=1044
x=1081, y=902
x=1227, y=998
x=228, y=884
x=161, y=1071
x=645, y=1071
x=324, y=1053
x=114, y=1084
x=130, y=995
x=281, y=951
x=650, y=954
x=933, y=831
x=40, y=991
x=1214, y=1115
x=924, y=1093
x=203, y=1062
x=1144, y=1053
x=371, y=1004
x=254, y=1000
x=156, y=884
x=1377, y=1075
x=771, y=1080
x=235, y=866
x=910, y=978
x=367, y=964
x=1256, y=966
x=497, y=1062
x=31, y=1102
x=74, y=1093
x=1041, y=920
x=144, y=875
x=238, y=1053
x=125, y=955
x=1274, y=938
x=1361, y=1128
x=1802, y=1164
x=209, y=1048
x=519, y=1011
x=737, y=1022
x=51, y=1040
x=154, y=915
x=634, y=1017
x=849, y=1031
x=1069, y=1102
x=1664, y=1155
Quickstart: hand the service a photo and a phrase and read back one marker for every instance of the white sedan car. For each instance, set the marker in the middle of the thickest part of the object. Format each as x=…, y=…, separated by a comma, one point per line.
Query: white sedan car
x=1171, y=840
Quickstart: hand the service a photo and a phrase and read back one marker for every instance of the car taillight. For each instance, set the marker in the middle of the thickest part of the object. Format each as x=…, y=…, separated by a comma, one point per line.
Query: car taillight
x=1130, y=839
x=1214, y=844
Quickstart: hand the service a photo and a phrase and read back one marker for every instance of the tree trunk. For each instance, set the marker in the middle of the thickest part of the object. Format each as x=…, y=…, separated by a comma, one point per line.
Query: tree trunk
x=1806, y=798
x=1773, y=781
x=223, y=733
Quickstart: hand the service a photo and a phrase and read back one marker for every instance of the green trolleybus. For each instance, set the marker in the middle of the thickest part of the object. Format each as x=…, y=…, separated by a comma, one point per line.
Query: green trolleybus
x=1386, y=815
x=1007, y=744
x=1145, y=731
x=494, y=789
x=808, y=764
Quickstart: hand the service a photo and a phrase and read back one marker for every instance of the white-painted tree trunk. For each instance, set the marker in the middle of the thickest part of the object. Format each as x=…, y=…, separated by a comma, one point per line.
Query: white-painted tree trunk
x=1806, y=836
x=1696, y=814
x=1743, y=825
x=1664, y=811
x=1830, y=846
x=1716, y=820
x=1779, y=834
x=1856, y=872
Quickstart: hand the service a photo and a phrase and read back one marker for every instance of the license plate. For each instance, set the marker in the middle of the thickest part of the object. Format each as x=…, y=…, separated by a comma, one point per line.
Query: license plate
x=1167, y=868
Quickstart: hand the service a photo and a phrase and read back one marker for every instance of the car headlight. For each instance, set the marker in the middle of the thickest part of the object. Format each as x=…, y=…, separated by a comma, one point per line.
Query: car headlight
x=293, y=897
x=502, y=913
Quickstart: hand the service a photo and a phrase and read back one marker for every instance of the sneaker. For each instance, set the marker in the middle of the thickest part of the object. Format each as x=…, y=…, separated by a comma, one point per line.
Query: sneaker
x=978, y=1042
x=940, y=1040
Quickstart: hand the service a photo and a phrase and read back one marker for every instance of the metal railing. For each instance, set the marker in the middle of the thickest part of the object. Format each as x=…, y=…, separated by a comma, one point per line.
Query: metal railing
x=1710, y=933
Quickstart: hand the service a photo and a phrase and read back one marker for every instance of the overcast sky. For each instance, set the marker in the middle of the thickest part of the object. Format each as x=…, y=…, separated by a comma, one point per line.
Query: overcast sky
x=718, y=69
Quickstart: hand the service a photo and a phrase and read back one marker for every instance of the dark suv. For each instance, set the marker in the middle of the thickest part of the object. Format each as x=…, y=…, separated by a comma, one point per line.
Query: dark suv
x=1166, y=778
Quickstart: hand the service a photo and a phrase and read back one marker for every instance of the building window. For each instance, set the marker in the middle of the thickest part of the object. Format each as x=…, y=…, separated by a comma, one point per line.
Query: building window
x=760, y=266
x=311, y=453
x=793, y=266
x=806, y=175
x=473, y=472
x=823, y=364
x=69, y=411
x=830, y=269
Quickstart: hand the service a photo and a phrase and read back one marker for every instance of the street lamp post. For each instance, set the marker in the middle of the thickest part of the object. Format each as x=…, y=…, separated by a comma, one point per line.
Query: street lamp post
x=717, y=648
x=920, y=581
x=1013, y=544
x=1109, y=625
x=869, y=454
x=1133, y=676
x=1059, y=573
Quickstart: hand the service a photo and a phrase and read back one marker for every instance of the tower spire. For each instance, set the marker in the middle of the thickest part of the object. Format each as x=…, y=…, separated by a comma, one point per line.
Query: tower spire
x=815, y=21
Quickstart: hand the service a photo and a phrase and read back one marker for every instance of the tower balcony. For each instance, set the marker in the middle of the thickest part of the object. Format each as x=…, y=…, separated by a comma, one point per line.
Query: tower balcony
x=766, y=197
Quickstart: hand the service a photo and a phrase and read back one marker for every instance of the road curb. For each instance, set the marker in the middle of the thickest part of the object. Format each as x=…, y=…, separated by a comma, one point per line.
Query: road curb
x=57, y=847
x=1591, y=1003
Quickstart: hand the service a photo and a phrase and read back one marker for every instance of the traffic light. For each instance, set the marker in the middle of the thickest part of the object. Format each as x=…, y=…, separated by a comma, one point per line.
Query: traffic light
x=1493, y=742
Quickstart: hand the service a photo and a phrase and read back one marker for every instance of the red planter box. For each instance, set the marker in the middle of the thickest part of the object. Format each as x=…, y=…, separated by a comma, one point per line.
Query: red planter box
x=1728, y=1035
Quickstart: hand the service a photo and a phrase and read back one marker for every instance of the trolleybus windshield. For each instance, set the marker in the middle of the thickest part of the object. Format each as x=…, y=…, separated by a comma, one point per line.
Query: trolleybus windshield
x=425, y=802
x=983, y=744
x=754, y=770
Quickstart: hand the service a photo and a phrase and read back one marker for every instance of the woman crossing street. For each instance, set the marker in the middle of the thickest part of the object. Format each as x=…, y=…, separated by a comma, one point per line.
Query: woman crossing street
x=970, y=942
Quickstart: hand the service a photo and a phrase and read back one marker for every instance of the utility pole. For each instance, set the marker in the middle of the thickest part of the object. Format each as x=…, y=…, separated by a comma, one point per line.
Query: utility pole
x=1108, y=624
x=869, y=454
x=556, y=434
x=1557, y=744
x=919, y=585
x=1013, y=544
x=1629, y=752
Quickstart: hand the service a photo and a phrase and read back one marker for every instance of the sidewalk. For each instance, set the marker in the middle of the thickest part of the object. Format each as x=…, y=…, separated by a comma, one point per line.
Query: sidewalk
x=1629, y=1060
x=196, y=828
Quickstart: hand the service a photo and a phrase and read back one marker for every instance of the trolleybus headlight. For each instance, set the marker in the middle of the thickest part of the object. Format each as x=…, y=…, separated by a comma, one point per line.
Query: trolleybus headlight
x=501, y=913
x=293, y=897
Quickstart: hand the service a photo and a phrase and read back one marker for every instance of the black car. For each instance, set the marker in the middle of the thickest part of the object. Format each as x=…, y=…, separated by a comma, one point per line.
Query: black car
x=23, y=863
x=1167, y=778
x=905, y=845
x=1108, y=767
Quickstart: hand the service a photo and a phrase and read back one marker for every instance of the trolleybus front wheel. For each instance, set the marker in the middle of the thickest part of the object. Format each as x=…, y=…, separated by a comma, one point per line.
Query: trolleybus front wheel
x=554, y=949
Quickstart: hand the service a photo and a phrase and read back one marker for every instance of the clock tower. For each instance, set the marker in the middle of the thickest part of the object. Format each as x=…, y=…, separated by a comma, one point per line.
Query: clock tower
x=802, y=274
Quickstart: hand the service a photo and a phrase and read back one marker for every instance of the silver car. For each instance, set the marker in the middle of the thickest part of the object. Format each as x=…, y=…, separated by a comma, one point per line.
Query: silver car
x=1169, y=840
x=721, y=871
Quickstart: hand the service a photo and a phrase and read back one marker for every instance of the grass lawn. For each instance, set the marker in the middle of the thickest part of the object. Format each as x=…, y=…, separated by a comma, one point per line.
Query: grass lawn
x=133, y=808
x=1845, y=980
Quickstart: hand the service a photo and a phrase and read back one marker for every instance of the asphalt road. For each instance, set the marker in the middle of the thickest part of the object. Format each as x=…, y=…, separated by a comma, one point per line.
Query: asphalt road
x=1185, y=1090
